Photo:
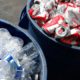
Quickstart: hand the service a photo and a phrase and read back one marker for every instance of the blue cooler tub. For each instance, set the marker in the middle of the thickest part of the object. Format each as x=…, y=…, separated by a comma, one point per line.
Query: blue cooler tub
x=26, y=37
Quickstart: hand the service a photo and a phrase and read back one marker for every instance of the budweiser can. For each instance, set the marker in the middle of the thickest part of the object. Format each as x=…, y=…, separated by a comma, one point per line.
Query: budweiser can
x=72, y=15
x=62, y=30
x=34, y=10
x=51, y=25
x=73, y=37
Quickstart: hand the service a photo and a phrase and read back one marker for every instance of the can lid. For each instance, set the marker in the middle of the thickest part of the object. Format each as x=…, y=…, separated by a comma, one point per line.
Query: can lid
x=61, y=32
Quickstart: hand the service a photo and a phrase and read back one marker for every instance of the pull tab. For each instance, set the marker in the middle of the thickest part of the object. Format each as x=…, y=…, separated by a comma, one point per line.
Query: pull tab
x=61, y=32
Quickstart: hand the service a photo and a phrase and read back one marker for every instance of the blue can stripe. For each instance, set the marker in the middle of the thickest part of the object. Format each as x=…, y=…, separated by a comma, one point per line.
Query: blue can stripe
x=9, y=58
x=19, y=68
x=16, y=66
x=19, y=72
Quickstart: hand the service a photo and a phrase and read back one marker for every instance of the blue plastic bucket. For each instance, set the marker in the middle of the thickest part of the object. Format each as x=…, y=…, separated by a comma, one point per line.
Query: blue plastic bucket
x=63, y=61
x=18, y=32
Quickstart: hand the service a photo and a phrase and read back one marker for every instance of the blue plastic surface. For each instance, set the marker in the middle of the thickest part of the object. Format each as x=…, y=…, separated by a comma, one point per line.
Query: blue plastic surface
x=19, y=32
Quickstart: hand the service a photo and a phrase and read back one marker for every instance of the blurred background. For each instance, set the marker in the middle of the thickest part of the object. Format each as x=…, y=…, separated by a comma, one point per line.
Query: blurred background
x=11, y=9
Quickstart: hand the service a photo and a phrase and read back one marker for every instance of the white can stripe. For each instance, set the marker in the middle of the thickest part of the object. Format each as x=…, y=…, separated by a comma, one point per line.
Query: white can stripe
x=52, y=28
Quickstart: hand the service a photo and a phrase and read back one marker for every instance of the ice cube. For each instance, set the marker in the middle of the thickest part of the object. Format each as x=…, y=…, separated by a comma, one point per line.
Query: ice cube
x=10, y=44
x=27, y=63
x=14, y=47
x=29, y=49
x=5, y=70
x=4, y=34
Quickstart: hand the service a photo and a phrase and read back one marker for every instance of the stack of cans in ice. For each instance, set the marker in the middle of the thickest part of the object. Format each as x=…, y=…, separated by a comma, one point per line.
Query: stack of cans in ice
x=17, y=62
x=58, y=18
